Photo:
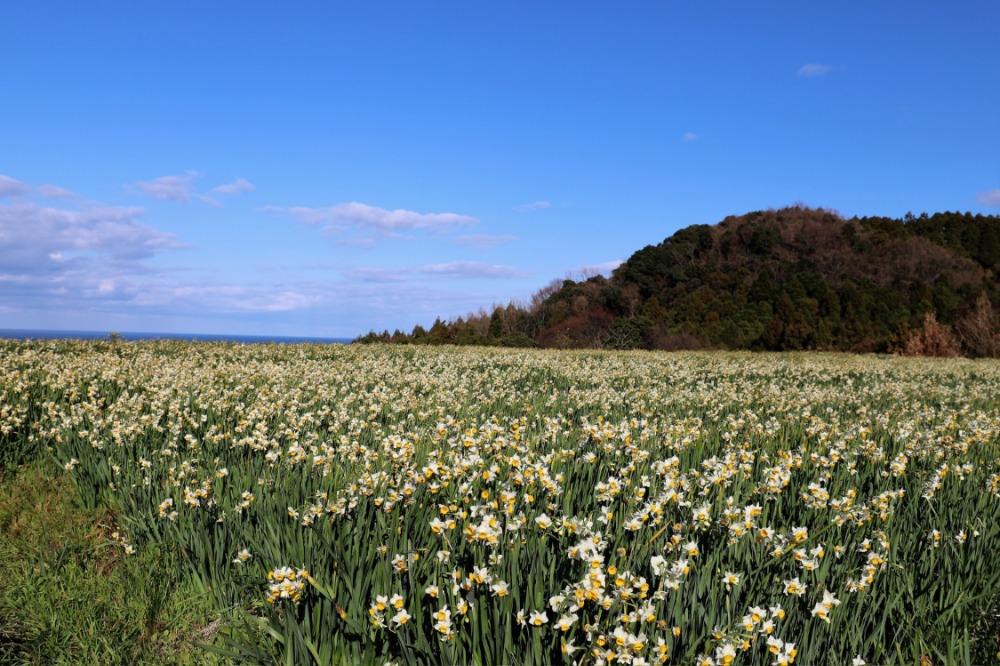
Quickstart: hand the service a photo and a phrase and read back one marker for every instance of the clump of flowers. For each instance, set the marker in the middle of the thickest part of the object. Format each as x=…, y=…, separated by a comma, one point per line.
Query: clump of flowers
x=286, y=583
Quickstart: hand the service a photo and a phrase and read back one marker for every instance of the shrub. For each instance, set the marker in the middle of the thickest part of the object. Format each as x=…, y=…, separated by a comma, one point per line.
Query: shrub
x=934, y=339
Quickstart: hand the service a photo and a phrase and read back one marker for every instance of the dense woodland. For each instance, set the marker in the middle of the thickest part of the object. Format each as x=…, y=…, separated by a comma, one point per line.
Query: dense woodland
x=789, y=279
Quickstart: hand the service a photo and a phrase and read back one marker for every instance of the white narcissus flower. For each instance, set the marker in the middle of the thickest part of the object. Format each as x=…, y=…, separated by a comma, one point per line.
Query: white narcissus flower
x=567, y=621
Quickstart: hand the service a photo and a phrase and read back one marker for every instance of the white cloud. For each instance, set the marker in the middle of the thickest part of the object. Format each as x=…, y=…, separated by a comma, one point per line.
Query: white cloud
x=366, y=274
x=535, y=205
x=53, y=192
x=65, y=258
x=453, y=269
x=238, y=186
x=689, y=136
x=73, y=263
x=988, y=198
x=205, y=199
x=10, y=187
x=30, y=234
x=168, y=188
x=226, y=298
x=813, y=69
x=483, y=241
x=68, y=262
x=472, y=269
x=356, y=214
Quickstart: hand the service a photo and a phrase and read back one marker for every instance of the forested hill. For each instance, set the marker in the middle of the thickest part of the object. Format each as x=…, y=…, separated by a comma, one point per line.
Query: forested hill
x=795, y=278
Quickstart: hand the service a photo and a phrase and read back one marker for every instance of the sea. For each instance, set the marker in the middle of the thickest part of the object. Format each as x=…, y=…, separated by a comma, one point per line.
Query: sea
x=42, y=334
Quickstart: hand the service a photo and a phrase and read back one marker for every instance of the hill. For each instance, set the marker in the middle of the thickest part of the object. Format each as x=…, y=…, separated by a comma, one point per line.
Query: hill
x=789, y=279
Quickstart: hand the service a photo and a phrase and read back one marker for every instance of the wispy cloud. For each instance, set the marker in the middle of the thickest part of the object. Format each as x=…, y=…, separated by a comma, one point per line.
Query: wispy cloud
x=238, y=186
x=689, y=136
x=355, y=214
x=535, y=205
x=54, y=192
x=453, y=269
x=10, y=187
x=226, y=297
x=168, y=188
x=483, y=241
x=988, y=198
x=813, y=69
x=472, y=269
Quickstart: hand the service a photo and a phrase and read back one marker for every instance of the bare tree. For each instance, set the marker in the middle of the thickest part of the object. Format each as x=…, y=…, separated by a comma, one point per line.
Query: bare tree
x=934, y=339
x=979, y=330
x=540, y=296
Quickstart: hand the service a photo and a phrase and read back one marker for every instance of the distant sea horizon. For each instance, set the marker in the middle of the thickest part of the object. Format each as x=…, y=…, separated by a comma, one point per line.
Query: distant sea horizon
x=47, y=334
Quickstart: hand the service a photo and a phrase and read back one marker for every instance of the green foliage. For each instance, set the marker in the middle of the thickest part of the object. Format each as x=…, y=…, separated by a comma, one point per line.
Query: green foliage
x=68, y=595
x=780, y=280
x=336, y=461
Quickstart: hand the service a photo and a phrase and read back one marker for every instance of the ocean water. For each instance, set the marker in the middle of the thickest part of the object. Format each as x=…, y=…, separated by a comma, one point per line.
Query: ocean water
x=39, y=334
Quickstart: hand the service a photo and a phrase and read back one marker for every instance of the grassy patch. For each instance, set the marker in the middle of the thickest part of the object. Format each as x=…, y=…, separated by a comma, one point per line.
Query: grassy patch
x=68, y=596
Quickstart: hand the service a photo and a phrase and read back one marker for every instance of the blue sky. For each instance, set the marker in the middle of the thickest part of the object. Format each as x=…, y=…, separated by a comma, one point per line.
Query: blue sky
x=328, y=168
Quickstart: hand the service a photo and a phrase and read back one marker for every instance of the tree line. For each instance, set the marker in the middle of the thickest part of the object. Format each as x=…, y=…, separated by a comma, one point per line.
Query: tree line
x=790, y=279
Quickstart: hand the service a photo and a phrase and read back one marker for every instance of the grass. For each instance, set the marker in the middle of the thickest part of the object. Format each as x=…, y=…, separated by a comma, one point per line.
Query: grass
x=67, y=596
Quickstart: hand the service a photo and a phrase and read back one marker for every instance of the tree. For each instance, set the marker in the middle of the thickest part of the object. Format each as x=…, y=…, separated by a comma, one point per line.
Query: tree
x=934, y=339
x=496, y=329
x=439, y=333
x=979, y=330
x=795, y=278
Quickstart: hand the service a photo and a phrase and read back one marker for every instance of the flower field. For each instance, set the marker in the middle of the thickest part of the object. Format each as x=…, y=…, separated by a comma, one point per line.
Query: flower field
x=417, y=505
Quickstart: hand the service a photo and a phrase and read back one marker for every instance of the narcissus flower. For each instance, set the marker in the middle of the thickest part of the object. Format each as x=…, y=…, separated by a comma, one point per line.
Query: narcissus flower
x=538, y=618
